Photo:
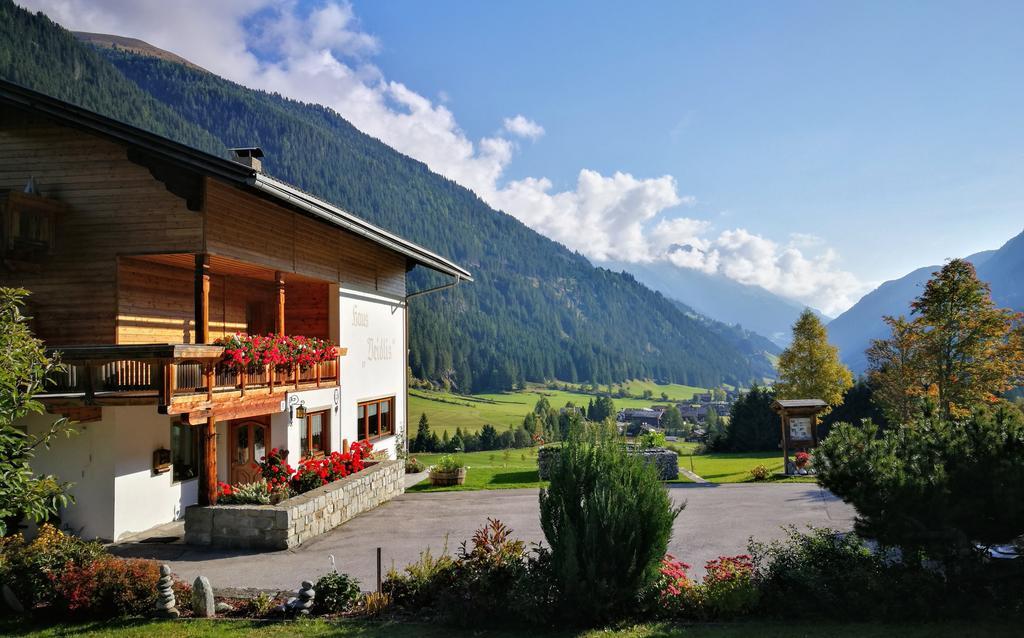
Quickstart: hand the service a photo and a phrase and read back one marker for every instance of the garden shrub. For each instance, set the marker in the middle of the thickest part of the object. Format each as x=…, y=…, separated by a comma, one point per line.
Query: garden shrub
x=486, y=577
x=413, y=466
x=336, y=593
x=729, y=588
x=32, y=569
x=260, y=605
x=607, y=519
x=547, y=457
x=255, y=493
x=376, y=603
x=108, y=587
x=832, y=575
x=933, y=484
x=673, y=593
x=418, y=586
x=760, y=473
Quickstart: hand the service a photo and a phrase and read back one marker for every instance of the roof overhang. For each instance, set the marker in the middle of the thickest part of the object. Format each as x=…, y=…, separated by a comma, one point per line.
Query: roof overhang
x=214, y=166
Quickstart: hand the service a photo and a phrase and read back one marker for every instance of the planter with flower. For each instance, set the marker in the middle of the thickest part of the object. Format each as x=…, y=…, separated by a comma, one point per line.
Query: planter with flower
x=287, y=506
x=449, y=470
x=277, y=359
x=802, y=461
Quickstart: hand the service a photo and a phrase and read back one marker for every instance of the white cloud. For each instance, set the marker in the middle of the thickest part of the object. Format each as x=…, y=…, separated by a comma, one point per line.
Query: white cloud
x=322, y=55
x=523, y=127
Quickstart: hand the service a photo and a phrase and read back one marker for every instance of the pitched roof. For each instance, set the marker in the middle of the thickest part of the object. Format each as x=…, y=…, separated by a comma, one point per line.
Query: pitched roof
x=212, y=165
x=799, y=403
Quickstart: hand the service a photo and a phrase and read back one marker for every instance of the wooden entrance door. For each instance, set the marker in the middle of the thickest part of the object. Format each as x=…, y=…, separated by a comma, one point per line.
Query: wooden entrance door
x=247, y=445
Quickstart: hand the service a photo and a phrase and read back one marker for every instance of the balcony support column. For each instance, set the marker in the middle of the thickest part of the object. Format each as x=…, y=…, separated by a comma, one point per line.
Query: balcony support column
x=208, y=486
x=202, y=298
x=279, y=311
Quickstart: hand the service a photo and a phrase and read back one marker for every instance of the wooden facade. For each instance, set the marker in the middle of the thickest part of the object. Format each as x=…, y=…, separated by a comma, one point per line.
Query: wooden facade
x=144, y=254
x=122, y=267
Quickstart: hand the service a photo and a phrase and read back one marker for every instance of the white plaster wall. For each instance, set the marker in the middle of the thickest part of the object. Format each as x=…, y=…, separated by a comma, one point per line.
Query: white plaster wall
x=290, y=428
x=372, y=327
x=143, y=499
x=87, y=461
x=110, y=464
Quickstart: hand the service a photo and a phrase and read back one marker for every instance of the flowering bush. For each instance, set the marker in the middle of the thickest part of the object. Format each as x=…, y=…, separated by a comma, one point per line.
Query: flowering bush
x=316, y=472
x=108, y=586
x=255, y=493
x=802, y=459
x=31, y=569
x=275, y=469
x=249, y=353
x=729, y=588
x=674, y=590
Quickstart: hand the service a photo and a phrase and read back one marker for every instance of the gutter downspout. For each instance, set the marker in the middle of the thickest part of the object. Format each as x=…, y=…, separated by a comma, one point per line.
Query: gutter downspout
x=408, y=350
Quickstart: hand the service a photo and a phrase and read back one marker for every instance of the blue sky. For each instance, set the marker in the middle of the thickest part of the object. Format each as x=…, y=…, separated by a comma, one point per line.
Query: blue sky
x=894, y=131
x=813, y=148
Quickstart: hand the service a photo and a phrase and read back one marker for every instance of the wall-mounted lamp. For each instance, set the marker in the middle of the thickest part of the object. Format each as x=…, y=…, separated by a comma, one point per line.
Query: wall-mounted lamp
x=337, y=399
x=297, y=407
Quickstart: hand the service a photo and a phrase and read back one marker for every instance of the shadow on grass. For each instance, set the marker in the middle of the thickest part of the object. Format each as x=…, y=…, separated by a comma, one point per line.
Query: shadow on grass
x=504, y=478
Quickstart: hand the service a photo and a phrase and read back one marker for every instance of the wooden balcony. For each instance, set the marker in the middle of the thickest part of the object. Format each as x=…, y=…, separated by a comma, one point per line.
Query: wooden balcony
x=180, y=379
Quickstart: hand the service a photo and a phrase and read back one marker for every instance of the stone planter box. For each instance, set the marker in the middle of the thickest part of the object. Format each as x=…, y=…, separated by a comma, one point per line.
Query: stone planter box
x=298, y=519
x=665, y=461
x=448, y=477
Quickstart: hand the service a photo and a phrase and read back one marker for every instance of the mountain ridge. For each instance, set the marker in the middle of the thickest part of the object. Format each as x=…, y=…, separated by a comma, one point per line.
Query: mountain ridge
x=537, y=311
x=853, y=330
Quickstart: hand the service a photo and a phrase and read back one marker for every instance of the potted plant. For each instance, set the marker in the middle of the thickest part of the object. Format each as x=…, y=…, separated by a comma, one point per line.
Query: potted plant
x=803, y=459
x=449, y=470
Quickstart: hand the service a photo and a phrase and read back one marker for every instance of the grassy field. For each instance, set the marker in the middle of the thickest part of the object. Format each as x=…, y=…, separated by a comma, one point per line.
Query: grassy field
x=364, y=629
x=493, y=470
x=674, y=391
x=497, y=469
x=447, y=411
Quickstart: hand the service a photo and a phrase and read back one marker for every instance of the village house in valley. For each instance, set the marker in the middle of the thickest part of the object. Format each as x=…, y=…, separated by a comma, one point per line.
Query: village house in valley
x=139, y=253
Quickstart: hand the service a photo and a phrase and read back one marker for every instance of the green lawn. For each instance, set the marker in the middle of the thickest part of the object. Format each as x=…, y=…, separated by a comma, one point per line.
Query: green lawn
x=447, y=411
x=734, y=467
x=363, y=629
x=495, y=470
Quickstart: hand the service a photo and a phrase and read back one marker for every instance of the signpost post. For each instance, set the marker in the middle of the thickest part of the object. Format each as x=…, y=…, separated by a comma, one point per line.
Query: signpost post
x=799, y=427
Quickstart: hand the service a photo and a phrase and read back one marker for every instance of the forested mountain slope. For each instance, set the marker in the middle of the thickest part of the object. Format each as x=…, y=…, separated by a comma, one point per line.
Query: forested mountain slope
x=536, y=311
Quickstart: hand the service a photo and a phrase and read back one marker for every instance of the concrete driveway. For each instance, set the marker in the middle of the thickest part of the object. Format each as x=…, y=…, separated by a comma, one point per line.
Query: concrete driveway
x=718, y=520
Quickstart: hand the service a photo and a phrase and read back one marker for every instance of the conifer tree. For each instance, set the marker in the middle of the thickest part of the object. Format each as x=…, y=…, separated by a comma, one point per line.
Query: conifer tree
x=422, y=441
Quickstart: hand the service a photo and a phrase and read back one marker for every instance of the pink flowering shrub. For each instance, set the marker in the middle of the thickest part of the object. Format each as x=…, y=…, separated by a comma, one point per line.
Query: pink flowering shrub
x=727, y=591
x=729, y=588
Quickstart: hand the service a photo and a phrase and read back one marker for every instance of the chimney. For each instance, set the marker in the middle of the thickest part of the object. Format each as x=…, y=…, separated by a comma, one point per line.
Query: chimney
x=249, y=156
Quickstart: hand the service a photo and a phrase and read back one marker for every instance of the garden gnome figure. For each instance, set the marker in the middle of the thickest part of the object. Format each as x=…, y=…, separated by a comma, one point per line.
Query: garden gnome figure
x=166, y=605
x=202, y=598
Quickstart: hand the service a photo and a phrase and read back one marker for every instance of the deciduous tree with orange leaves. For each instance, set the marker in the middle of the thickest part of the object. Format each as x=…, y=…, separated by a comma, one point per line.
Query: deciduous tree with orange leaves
x=959, y=348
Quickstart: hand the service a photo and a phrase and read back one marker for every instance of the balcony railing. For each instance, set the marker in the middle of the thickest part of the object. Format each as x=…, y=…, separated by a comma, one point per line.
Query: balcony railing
x=178, y=377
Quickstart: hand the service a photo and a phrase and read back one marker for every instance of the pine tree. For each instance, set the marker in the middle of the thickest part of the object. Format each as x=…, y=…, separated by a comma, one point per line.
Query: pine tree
x=422, y=441
x=810, y=368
